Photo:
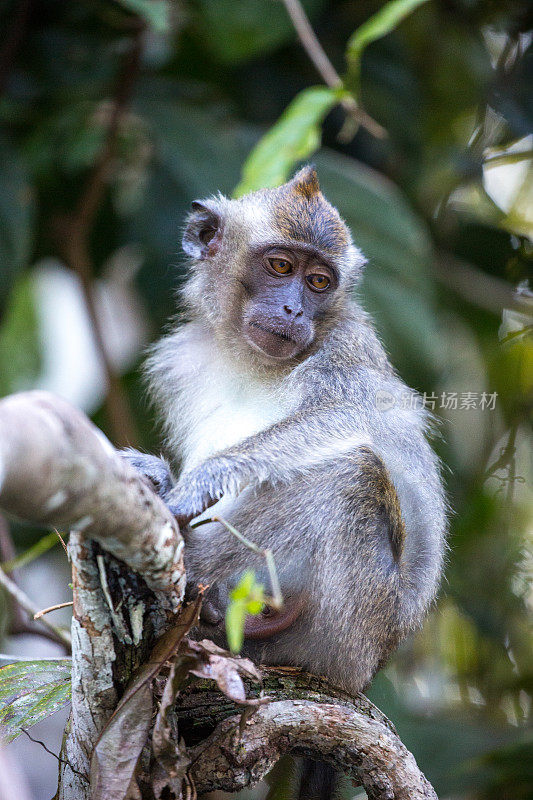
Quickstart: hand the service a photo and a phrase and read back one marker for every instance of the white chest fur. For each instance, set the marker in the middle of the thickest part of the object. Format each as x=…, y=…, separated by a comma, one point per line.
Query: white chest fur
x=222, y=414
x=210, y=404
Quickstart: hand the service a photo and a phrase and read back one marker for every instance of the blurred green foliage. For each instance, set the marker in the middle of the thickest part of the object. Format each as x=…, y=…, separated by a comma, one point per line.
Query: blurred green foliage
x=294, y=137
x=446, y=227
x=30, y=692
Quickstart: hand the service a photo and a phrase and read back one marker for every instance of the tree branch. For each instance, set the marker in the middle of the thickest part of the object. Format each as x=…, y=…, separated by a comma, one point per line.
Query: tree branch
x=325, y=68
x=57, y=469
x=307, y=716
x=24, y=602
x=479, y=288
x=74, y=240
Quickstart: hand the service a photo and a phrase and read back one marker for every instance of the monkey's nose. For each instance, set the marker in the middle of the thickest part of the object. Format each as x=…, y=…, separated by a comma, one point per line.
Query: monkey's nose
x=290, y=311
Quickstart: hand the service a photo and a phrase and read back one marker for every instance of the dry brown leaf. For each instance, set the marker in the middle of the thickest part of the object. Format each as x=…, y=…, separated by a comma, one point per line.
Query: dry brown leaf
x=170, y=753
x=217, y=664
x=117, y=751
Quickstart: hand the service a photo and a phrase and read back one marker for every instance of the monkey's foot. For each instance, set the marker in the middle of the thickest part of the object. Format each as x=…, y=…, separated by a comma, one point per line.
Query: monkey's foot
x=155, y=469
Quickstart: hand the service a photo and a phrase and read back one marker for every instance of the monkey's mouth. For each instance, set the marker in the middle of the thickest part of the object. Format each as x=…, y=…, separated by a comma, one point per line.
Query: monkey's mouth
x=273, y=332
x=271, y=342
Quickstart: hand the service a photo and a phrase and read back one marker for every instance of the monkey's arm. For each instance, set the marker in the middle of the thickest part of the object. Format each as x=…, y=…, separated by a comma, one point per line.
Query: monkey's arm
x=307, y=439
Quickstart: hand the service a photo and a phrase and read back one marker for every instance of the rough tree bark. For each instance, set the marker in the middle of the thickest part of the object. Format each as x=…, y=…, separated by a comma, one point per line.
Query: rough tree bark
x=57, y=469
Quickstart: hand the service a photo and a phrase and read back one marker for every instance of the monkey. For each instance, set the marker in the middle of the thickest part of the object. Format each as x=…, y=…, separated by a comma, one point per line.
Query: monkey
x=283, y=416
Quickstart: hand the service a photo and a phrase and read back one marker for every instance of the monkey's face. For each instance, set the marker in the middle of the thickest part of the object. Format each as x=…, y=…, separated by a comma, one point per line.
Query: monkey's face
x=271, y=271
x=287, y=292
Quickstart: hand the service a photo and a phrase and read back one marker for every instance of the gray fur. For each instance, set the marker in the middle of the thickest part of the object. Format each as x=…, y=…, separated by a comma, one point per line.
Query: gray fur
x=304, y=460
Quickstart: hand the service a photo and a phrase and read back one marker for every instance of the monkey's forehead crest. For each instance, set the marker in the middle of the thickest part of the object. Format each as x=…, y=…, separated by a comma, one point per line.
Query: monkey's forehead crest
x=299, y=211
x=305, y=182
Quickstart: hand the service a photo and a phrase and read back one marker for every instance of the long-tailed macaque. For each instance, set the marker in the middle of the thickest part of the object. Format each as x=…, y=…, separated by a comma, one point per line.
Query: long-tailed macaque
x=279, y=405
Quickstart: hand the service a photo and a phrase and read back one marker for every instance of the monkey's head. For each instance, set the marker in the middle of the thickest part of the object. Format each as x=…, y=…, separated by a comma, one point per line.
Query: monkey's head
x=272, y=269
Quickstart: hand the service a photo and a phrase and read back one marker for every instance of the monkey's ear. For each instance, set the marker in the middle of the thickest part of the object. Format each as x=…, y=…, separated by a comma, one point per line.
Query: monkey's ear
x=202, y=228
x=305, y=182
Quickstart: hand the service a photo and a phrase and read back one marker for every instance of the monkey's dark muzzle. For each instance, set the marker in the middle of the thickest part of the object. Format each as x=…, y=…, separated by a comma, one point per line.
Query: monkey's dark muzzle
x=273, y=342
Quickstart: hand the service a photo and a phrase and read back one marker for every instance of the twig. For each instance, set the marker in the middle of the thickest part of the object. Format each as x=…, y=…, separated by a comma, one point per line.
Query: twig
x=277, y=598
x=24, y=602
x=50, y=752
x=509, y=157
x=477, y=287
x=22, y=628
x=75, y=242
x=63, y=545
x=41, y=547
x=32, y=629
x=325, y=68
x=527, y=330
x=18, y=624
x=52, y=608
x=511, y=477
x=506, y=455
x=7, y=548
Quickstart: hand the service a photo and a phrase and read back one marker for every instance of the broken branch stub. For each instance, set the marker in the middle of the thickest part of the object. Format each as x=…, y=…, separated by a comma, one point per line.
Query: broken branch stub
x=57, y=469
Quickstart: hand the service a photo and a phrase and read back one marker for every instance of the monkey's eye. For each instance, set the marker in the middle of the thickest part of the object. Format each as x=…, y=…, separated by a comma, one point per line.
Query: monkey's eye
x=318, y=282
x=206, y=234
x=280, y=265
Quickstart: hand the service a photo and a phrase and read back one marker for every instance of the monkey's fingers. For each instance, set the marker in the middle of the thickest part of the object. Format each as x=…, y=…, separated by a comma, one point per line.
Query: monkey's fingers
x=189, y=498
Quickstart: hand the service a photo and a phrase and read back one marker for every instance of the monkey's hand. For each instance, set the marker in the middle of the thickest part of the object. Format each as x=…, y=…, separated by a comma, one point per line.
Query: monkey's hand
x=201, y=487
x=155, y=469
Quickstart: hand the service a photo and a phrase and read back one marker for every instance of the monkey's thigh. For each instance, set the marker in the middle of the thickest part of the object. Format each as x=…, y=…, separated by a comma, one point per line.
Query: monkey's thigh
x=332, y=546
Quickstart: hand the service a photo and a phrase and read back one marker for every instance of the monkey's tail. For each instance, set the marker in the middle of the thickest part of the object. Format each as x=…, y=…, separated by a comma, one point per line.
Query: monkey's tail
x=318, y=781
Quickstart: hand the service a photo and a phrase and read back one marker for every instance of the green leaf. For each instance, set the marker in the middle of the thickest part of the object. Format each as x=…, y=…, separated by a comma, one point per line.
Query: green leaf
x=235, y=619
x=16, y=217
x=244, y=587
x=294, y=137
x=248, y=597
x=30, y=691
x=20, y=346
x=154, y=12
x=40, y=547
x=254, y=607
x=380, y=24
